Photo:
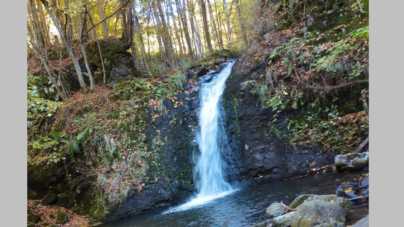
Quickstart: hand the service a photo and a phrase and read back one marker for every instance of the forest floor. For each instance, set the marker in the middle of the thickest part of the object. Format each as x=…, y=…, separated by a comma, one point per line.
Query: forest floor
x=47, y=216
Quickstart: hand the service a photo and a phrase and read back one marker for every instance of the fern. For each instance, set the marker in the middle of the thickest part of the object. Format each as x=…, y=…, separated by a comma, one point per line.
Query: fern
x=160, y=106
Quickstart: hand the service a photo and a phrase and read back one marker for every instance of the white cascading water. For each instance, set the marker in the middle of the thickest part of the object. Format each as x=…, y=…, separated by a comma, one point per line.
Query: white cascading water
x=208, y=173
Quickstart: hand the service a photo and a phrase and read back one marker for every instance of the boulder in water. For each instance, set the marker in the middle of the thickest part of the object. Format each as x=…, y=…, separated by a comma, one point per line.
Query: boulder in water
x=191, y=74
x=275, y=210
x=351, y=162
x=284, y=220
x=342, y=202
x=261, y=224
x=299, y=200
x=314, y=211
x=202, y=72
x=319, y=213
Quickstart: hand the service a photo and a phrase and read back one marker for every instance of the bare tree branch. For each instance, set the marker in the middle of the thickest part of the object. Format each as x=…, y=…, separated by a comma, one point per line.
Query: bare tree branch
x=361, y=146
x=116, y=11
x=338, y=86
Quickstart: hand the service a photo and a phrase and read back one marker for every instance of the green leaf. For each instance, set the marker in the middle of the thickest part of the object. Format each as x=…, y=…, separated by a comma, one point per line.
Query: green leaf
x=75, y=146
x=81, y=135
x=112, y=151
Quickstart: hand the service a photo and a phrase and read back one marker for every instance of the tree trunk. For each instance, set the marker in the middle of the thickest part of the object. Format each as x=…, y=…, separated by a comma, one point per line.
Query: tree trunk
x=181, y=31
x=227, y=13
x=83, y=27
x=177, y=36
x=196, y=34
x=38, y=33
x=133, y=50
x=127, y=24
x=164, y=33
x=102, y=16
x=43, y=26
x=212, y=19
x=185, y=25
x=99, y=51
x=118, y=16
x=44, y=62
x=68, y=47
x=242, y=24
x=205, y=25
x=170, y=34
x=220, y=27
x=197, y=40
x=83, y=51
x=139, y=34
x=161, y=49
x=69, y=25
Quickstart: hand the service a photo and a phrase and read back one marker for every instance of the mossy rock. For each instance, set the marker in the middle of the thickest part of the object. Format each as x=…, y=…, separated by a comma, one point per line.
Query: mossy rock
x=49, y=199
x=32, y=194
x=61, y=217
x=66, y=200
x=117, y=61
x=32, y=218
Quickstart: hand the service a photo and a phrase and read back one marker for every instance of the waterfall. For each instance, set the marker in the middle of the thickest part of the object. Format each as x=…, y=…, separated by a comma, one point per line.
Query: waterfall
x=208, y=172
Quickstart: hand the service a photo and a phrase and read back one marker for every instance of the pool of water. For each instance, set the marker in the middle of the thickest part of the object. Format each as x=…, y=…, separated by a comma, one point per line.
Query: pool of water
x=244, y=207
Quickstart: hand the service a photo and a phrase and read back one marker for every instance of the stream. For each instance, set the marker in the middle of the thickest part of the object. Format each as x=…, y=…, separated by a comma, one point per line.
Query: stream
x=244, y=207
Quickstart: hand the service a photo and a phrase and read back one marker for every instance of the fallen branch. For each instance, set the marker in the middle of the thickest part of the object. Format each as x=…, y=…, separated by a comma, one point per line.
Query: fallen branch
x=361, y=146
x=287, y=207
x=359, y=198
x=339, y=86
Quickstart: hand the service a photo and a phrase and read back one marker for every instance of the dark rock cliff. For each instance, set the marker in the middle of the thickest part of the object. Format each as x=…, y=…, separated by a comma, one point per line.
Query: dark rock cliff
x=260, y=154
x=170, y=180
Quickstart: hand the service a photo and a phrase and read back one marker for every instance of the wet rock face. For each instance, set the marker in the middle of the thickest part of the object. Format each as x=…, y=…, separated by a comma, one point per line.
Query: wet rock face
x=171, y=182
x=257, y=153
